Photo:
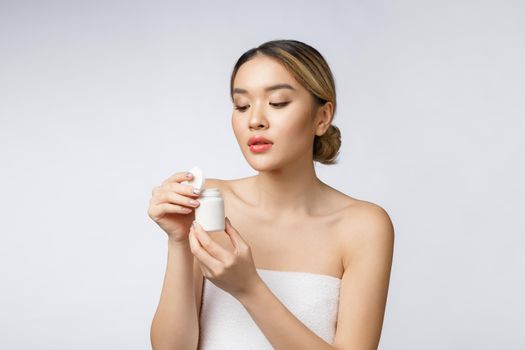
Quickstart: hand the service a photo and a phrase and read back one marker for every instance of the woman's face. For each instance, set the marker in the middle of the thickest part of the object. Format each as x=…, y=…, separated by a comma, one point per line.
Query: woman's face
x=284, y=116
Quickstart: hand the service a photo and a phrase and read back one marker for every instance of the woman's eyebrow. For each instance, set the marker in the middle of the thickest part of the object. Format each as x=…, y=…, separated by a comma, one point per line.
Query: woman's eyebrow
x=269, y=88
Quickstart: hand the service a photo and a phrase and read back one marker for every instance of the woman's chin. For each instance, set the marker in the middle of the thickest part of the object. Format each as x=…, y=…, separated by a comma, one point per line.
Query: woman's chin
x=260, y=164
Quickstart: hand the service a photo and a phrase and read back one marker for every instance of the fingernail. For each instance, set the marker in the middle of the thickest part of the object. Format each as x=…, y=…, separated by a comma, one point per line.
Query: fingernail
x=196, y=191
x=189, y=175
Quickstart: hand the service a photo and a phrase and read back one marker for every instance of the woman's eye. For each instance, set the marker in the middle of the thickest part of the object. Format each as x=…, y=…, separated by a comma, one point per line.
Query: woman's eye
x=278, y=105
x=282, y=104
x=241, y=108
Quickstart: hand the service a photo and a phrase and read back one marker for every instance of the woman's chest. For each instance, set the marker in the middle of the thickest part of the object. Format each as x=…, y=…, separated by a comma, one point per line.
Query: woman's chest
x=298, y=244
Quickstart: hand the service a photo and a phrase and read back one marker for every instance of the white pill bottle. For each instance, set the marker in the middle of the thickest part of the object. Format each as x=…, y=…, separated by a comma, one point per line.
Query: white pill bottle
x=210, y=213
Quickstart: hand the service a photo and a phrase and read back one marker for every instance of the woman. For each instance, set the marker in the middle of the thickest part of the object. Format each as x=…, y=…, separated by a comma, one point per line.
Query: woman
x=300, y=265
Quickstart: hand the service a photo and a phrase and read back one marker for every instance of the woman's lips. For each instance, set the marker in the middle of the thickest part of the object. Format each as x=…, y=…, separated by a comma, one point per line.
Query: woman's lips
x=257, y=148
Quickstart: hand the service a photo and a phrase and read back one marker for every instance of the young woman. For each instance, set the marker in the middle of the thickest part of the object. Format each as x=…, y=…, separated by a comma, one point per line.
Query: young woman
x=300, y=265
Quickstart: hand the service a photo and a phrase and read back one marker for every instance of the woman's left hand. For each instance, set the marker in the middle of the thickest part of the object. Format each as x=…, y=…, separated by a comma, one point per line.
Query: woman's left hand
x=234, y=272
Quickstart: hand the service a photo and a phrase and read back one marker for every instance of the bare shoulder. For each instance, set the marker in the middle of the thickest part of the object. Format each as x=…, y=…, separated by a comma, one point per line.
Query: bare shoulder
x=364, y=226
x=367, y=218
x=213, y=182
x=227, y=187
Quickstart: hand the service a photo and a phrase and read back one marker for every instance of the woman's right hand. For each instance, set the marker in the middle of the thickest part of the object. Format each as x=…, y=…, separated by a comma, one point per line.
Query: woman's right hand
x=171, y=208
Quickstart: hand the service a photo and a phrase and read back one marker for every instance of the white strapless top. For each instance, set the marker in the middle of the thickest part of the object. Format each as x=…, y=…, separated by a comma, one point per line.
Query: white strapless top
x=226, y=325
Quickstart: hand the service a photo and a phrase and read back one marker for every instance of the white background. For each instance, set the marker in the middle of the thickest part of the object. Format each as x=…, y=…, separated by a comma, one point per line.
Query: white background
x=100, y=101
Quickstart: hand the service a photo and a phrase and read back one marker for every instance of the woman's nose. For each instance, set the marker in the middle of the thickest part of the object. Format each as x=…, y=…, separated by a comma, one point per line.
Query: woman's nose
x=257, y=118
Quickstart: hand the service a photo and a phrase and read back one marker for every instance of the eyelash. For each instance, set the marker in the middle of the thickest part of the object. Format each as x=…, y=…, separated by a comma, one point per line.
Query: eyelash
x=278, y=105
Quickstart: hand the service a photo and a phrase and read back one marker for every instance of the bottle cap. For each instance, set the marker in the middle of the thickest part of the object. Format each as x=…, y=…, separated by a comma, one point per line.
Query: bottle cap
x=211, y=192
x=198, y=177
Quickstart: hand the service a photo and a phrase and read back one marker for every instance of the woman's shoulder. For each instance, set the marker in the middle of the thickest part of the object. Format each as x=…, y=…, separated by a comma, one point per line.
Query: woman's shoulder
x=231, y=186
x=226, y=183
x=364, y=224
x=364, y=212
x=354, y=214
x=213, y=182
x=356, y=209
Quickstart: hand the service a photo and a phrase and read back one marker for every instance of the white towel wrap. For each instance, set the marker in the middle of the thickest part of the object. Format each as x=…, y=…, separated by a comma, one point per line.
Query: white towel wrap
x=312, y=298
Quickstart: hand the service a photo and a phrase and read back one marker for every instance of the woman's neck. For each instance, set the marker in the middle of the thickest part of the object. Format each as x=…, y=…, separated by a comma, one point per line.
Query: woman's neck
x=287, y=191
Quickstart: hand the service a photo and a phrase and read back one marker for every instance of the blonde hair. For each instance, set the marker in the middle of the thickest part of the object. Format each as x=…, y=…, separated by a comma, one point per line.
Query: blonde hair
x=310, y=69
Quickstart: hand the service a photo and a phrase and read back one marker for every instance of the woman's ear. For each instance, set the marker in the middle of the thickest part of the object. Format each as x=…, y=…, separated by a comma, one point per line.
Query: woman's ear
x=324, y=118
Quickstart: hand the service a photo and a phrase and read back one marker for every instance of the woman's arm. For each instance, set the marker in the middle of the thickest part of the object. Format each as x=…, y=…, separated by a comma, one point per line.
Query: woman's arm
x=282, y=329
x=175, y=324
x=363, y=293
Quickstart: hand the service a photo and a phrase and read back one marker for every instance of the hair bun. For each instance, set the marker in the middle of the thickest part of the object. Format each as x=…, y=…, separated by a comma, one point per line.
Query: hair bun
x=326, y=146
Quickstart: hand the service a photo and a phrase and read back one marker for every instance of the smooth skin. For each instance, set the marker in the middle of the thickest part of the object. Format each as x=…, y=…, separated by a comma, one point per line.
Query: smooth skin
x=285, y=218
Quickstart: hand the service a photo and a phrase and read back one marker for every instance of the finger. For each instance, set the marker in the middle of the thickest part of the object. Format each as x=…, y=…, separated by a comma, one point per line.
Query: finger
x=202, y=254
x=159, y=210
x=194, y=246
x=233, y=234
x=178, y=177
x=175, y=198
x=184, y=189
x=212, y=248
